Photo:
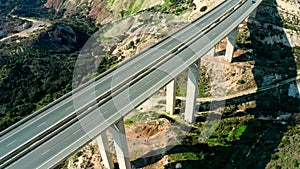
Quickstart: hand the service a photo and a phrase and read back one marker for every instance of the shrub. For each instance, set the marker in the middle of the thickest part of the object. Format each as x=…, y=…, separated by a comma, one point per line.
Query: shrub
x=128, y=122
x=241, y=81
x=78, y=154
x=203, y=9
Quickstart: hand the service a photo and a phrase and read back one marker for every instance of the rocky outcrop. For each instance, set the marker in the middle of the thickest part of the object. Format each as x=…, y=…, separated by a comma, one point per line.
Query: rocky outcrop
x=59, y=38
x=94, y=9
x=54, y=4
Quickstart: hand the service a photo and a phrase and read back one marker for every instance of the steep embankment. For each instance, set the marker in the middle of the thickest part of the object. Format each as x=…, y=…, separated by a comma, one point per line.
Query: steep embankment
x=101, y=10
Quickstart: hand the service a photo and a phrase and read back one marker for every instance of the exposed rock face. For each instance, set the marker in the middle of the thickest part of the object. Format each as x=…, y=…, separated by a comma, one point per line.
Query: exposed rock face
x=68, y=4
x=54, y=4
x=101, y=10
x=94, y=9
x=58, y=38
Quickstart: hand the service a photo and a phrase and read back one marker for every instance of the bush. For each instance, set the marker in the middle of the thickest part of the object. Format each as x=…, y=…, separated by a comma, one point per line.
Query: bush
x=203, y=9
x=128, y=122
x=241, y=81
x=78, y=154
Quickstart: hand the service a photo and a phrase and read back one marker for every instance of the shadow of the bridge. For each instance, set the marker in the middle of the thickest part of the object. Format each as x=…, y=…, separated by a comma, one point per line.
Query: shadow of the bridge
x=273, y=62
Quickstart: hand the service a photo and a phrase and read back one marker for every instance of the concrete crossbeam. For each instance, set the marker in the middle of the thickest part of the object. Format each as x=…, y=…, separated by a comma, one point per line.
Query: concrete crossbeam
x=105, y=153
x=192, y=92
x=231, y=40
x=170, y=100
x=121, y=146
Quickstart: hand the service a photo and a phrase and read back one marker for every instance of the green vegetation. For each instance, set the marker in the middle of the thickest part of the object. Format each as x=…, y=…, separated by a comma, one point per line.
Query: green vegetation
x=128, y=122
x=39, y=69
x=167, y=4
x=133, y=8
x=287, y=153
x=204, y=83
x=213, y=147
x=78, y=154
x=110, y=2
x=235, y=139
x=94, y=149
x=176, y=7
x=243, y=38
x=290, y=26
x=241, y=81
x=7, y=5
x=236, y=133
x=146, y=116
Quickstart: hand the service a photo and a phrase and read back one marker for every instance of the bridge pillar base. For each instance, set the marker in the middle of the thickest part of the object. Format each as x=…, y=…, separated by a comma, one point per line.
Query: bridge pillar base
x=192, y=92
x=170, y=100
x=105, y=153
x=231, y=40
x=121, y=146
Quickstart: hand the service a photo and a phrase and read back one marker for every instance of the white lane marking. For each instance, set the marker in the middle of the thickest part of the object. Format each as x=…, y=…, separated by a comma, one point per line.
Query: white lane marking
x=41, y=124
x=70, y=107
x=45, y=152
x=10, y=143
x=75, y=132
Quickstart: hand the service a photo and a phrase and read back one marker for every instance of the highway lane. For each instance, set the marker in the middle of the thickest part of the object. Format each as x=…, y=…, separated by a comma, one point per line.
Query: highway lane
x=78, y=134
x=35, y=128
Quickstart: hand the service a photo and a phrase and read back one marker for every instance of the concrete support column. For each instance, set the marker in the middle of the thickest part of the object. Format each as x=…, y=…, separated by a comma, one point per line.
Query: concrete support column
x=104, y=150
x=211, y=52
x=170, y=100
x=192, y=92
x=231, y=40
x=121, y=146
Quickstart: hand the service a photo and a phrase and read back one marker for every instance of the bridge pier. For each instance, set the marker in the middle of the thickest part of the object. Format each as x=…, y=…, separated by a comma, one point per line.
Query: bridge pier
x=170, y=97
x=106, y=155
x=121, y=146
x=192, y=91
x=231, y=40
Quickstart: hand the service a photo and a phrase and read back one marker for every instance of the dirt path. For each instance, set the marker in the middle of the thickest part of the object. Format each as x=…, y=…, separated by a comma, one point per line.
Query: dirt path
x=154, y=101
x=37, y=25
x=246, y=92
